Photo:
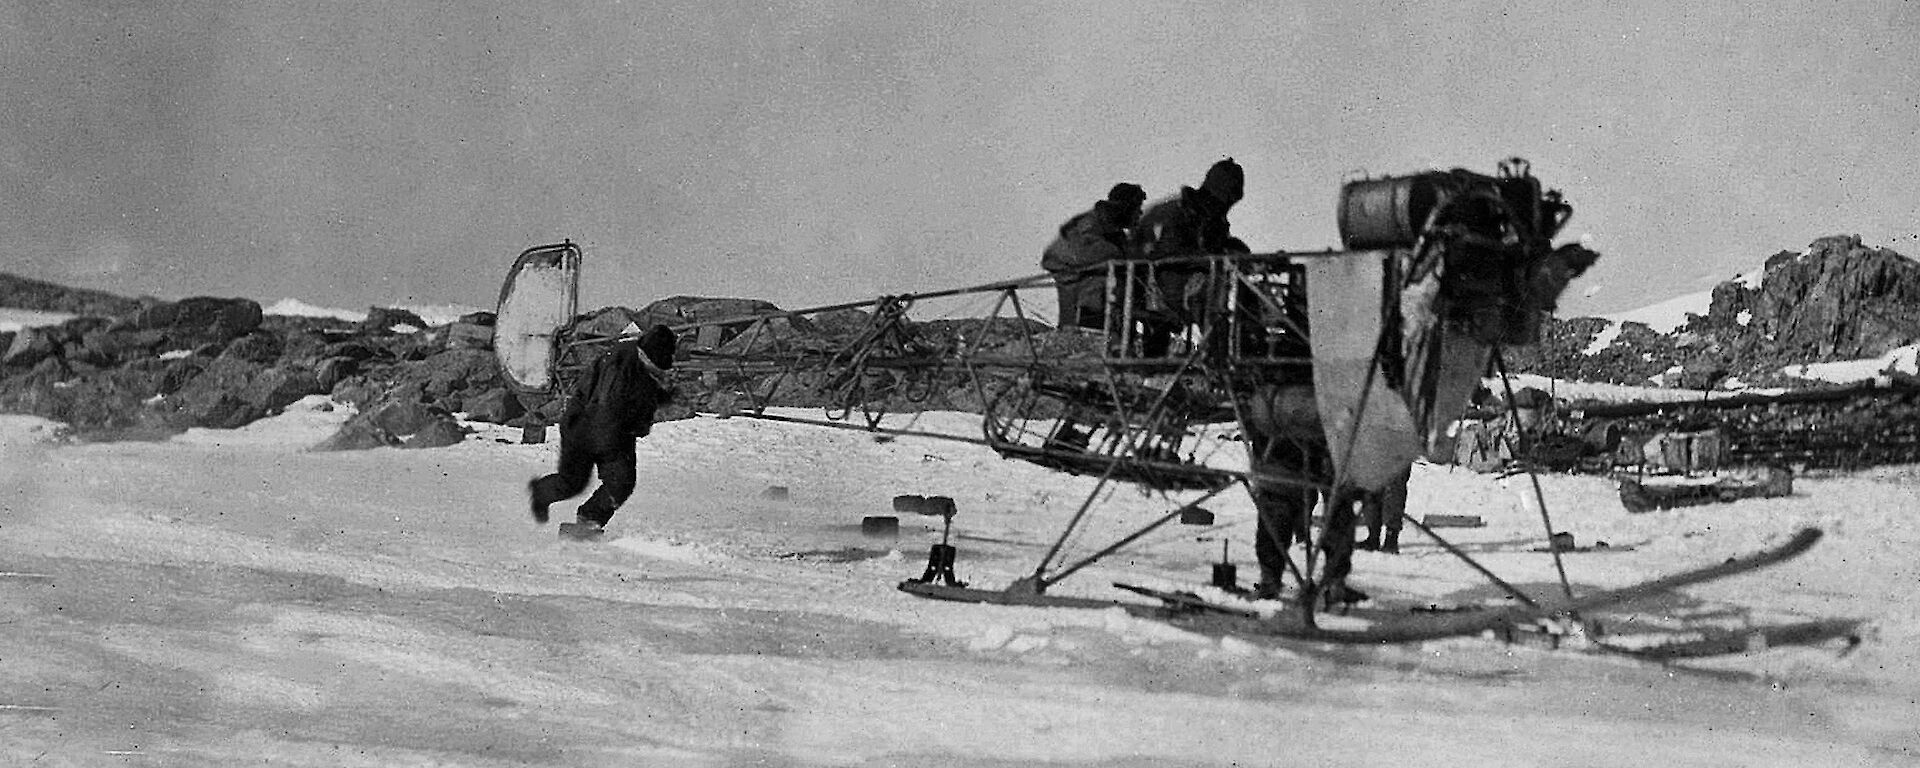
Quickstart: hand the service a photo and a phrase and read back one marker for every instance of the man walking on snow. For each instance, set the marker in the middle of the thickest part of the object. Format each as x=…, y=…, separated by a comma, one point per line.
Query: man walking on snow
x=610, y=406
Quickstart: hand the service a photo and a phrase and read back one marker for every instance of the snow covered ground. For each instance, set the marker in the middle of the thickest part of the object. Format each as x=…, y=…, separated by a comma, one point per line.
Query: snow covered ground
x=1903, y=360
x=225, y=598
x=12, y=319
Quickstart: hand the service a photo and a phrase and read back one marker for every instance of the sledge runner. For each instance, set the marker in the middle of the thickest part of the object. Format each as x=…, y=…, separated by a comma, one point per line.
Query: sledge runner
x=610, y=406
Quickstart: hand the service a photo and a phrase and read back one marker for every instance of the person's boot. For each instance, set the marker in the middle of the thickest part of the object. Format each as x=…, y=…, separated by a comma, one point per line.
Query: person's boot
x=582, y=529
x=1339, y=595
x=1391, y=544
x=533, y=502
x=1265, y=590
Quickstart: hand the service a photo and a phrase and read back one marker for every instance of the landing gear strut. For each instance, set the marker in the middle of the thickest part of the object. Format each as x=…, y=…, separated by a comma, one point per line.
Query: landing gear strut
x=940, y=557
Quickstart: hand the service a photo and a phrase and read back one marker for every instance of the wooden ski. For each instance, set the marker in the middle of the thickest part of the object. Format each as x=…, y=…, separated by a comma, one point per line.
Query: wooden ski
x=1379, y=627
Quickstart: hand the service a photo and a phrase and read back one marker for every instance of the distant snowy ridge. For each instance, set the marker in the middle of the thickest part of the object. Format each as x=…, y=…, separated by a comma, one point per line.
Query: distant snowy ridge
x=15, y=319
x=434, y=314
x=298, y=308
x=1663, y=317
x=1666, y=316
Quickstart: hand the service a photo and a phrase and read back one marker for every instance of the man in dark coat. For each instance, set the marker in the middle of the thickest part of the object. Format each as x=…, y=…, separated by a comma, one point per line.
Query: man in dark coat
x=611, y=405
x=1086, y=241
x=1191, y=223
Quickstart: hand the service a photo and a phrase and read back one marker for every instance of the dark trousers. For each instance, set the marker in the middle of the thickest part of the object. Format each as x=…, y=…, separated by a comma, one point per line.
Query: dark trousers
x=1386, y=509
x=578, y=459
x=1283, y=518
x=1336, y=540
x=1285, y=511
x=1083, y=300
x=1284, y=441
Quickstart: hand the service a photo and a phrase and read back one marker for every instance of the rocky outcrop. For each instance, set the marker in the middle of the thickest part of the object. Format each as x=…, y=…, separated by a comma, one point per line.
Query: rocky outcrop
x=26, y=293
x=396, y=423
x=158, y=368
x=1835, y=300
x=1838, y=299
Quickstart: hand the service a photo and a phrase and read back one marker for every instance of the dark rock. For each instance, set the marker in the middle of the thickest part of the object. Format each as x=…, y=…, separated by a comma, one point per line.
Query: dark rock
x=230, y=392
x=549, y=412
x=259, y=347
x=464, y=335
x=116, y=347
x=93, y=399
x=357, y=391
x=495, y=406
x=684, y=309
x=331, y=371
x=357, y=435
x=201, y=320
x=73, y=330
x=356, y=351
x=288, y=325
x=450, y=372
x=382, y=320
x=436, y=434
x=26, y=293
x=402, y=417
x=273, y=389
x=418, y=345
x=606, y=321
x=842, y=323
x=212, y=398
x=768, y=334
x=396, y=422
x=28, y=348
x=1836, y=300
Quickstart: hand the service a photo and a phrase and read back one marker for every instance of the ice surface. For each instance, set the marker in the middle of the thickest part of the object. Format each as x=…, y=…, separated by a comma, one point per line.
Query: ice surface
x=230, y=598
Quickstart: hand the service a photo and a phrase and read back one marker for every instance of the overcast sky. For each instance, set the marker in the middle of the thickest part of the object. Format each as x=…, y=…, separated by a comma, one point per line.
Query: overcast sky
x=358, y=153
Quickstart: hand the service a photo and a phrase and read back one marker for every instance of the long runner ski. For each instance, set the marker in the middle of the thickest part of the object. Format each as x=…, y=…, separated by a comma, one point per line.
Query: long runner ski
x=1372, y=626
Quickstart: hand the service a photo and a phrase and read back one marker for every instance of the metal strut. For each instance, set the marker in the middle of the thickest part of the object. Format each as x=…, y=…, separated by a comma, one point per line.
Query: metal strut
x=1539, y=496
x=1039, y=581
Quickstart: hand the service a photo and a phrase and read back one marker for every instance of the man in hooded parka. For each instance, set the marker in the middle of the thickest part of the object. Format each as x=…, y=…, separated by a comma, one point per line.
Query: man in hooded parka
x=1086, y=241
x=1190, y=223
x=611, y=405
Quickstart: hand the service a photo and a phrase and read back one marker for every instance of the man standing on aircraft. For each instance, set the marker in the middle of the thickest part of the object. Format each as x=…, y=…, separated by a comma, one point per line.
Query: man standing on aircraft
x=1190, y=223
x=1086, y=241
x=610, y=406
